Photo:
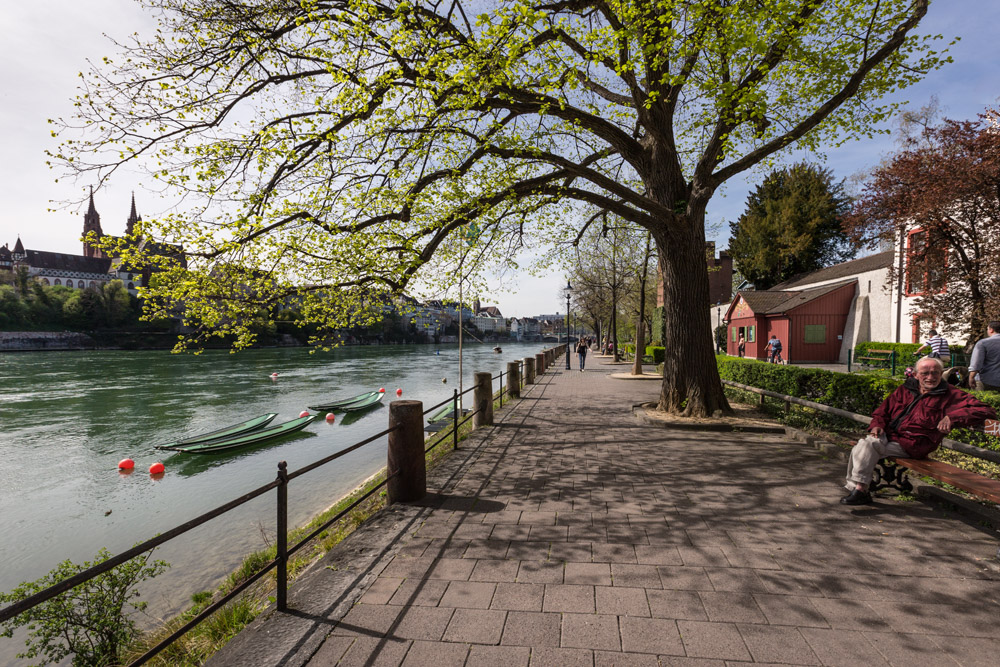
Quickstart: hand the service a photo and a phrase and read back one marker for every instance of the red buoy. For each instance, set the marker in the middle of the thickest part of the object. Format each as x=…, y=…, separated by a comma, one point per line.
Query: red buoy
x=126, y=464
x=399, y=392
x=156, y=469
x=304, y=413
x=381, y=390
x=330, y=417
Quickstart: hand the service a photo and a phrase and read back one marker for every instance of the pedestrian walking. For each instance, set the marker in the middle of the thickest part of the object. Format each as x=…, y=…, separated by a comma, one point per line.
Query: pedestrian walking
x=581, y=352
x=984, y=367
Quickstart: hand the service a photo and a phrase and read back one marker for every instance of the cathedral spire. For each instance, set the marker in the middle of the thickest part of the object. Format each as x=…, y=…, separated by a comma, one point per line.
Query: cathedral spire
x=92, y=223
x=133, y=218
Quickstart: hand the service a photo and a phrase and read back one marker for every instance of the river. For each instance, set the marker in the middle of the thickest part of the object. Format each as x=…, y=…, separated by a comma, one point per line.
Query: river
x=67, y=418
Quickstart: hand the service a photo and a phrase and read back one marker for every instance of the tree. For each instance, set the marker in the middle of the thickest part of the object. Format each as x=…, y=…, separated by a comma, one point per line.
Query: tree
x=91, y=622
x=792, y=225
x=943, y=196
x=335, y=147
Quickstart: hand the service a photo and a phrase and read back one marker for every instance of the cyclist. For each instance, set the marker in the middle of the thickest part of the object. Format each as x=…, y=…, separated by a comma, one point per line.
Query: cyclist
x=774, y=345
x=938, y=346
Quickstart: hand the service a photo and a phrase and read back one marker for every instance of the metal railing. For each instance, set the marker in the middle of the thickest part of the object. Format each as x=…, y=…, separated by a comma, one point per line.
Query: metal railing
x=283, y=550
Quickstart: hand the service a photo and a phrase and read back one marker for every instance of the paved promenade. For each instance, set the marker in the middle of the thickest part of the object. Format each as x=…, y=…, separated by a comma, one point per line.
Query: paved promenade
x=575, y=533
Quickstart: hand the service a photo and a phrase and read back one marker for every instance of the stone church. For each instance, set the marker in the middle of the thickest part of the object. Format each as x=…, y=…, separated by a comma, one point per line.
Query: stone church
x=91, y=269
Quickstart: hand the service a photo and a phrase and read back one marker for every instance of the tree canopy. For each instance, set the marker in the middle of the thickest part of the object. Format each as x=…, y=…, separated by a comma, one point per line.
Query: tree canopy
x=334, y=147
x=792, y=225
x=943, y=197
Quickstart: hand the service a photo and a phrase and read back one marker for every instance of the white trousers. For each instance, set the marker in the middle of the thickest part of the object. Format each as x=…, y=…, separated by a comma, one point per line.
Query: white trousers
x=865, y=456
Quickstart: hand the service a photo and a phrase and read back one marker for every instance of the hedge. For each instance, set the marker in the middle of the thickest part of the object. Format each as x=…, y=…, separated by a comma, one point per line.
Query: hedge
x=657, y=352
x=856, y=393
x=904, y=351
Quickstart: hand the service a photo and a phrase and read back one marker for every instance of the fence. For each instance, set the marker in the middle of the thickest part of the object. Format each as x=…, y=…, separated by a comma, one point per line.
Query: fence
x=398, y=438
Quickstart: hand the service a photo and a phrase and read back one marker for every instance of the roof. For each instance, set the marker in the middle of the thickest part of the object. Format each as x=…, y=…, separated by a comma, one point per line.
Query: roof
x=58, y=261
x=874, y=262
x=772, y=302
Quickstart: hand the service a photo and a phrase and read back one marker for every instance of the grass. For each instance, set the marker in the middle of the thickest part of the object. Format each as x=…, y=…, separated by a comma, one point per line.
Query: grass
x=202, y=641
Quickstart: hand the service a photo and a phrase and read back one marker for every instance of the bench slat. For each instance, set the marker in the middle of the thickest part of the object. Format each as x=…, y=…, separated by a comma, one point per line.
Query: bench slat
x=957, y=477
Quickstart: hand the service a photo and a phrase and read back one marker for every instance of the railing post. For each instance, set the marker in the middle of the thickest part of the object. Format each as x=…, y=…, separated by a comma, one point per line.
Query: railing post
x=454, y=420
x=849, y=350
x=501, y=389
x=483, y=397
x=406, y=468
x=282, y=537
x=513, y=380
x=892, y=359
x=539, y=363
x=529, y=371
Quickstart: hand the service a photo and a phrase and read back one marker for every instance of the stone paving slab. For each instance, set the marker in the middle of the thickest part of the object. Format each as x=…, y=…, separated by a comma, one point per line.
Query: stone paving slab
x=576, y=533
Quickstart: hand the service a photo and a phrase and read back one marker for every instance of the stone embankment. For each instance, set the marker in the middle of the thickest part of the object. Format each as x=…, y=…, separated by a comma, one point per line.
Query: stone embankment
x=29, y=341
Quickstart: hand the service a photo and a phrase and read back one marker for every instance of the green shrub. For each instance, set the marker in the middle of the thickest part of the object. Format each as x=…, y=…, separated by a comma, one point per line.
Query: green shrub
x=92, y=622
x=853, y=392
x=904, y=351
x=657, y=352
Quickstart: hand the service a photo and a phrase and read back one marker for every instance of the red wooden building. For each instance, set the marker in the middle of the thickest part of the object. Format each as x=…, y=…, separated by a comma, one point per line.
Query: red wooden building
x=809, y=323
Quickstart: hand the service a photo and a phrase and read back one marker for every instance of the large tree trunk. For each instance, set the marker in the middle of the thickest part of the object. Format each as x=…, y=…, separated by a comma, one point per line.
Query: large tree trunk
x=691, y=384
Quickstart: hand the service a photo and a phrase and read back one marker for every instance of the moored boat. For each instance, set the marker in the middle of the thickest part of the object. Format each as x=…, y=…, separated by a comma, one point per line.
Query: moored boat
x=365, y=404
x=336, y=406
x=247, y=426
x=221, y=444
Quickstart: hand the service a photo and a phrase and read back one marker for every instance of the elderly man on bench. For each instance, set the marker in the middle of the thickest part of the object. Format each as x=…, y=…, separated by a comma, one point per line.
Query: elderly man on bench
x=911, y=423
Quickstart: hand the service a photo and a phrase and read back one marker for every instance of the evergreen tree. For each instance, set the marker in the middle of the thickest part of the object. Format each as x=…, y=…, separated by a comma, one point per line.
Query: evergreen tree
x=792, y=225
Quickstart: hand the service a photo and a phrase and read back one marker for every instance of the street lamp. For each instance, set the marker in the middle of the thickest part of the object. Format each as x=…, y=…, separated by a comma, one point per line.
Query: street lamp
x=568, y=290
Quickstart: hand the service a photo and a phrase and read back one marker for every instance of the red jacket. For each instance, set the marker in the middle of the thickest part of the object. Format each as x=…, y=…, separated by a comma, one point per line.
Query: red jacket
x=916, y=429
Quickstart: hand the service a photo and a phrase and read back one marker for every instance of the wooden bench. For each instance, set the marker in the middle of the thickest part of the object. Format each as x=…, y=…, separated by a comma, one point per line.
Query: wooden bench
x=891, y=473
x=870, y=356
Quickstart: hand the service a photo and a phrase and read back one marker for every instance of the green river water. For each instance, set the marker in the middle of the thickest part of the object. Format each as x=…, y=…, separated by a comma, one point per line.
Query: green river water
x=67, y=418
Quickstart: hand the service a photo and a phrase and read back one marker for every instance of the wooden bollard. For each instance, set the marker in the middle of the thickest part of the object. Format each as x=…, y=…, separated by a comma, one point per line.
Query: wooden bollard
x=406, y=467
x=539, y=363
x=513, y=379
x=529, y=371
x=483, y=397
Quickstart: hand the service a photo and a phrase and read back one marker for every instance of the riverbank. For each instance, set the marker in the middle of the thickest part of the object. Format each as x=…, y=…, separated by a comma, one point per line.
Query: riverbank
x=576, y=533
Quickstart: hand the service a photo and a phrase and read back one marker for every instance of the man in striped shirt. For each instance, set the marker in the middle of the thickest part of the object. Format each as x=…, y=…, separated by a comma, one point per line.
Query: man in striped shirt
x=939, y=348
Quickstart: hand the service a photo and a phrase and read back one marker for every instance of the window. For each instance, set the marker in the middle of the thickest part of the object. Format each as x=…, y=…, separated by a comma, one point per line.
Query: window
x=926, y=263
x=751, y=334
x=815, y=333
x=58, y=282
x=79, y=283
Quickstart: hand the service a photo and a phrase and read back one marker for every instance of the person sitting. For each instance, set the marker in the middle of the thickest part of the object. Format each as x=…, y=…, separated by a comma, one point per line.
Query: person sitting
x=938, y=347
x=911, y=422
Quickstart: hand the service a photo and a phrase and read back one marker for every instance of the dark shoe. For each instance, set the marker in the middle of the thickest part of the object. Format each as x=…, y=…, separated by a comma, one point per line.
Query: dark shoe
x=857, y=497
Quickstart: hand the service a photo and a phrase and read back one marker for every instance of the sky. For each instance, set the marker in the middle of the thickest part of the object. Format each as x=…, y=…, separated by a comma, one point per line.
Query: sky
x=46, y=43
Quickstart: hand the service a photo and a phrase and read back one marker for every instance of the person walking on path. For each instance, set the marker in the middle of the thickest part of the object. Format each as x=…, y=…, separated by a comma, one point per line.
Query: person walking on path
x=581, y=352
x=984, y=367
x=774, y=347
x=938, y=346
x=911, y=423
x=741, y=345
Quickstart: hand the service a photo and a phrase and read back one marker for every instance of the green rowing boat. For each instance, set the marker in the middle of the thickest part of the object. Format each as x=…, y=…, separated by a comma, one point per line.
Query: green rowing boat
x=359, y=402
x=227, y=432
x=445, y=413
x=365, y=404
x=221, y=444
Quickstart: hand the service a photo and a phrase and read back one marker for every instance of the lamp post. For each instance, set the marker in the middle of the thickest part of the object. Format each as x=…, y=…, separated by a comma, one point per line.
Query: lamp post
x=569, y=292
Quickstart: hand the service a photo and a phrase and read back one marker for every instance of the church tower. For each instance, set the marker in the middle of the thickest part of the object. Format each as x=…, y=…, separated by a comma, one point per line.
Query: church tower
x=92, y=223
x=133, y=218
